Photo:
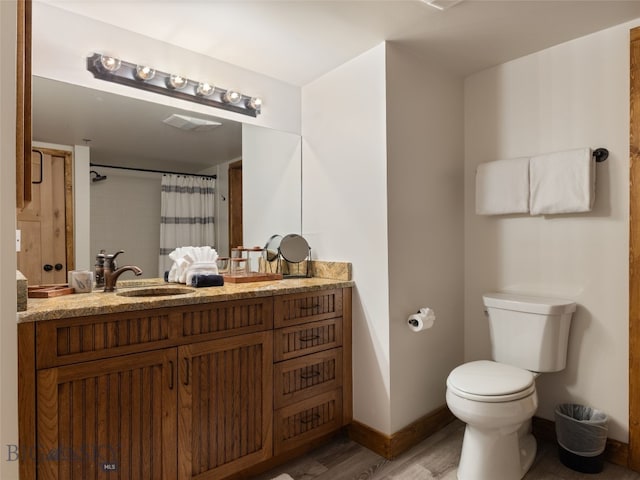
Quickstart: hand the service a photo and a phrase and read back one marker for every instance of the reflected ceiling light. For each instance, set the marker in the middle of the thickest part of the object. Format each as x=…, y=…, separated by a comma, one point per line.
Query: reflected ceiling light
x=441, y=4
x=232, y=97
x=111, y=64
x=176, y=82
x=147, y=78
x=204, y=89
x=144, y=73
x=185, y=122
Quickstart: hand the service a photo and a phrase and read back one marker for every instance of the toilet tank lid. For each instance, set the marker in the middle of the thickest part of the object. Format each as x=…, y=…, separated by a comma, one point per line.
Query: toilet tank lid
x=529, y=304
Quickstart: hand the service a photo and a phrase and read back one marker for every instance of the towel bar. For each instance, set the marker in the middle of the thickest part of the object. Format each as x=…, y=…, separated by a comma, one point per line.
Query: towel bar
x=600, y=154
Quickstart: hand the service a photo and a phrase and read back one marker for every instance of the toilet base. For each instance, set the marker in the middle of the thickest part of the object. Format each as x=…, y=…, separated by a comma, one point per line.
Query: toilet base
x=496, y=454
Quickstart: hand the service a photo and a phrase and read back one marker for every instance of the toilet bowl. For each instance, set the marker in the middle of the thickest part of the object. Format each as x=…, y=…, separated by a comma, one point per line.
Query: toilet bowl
x=496, y=401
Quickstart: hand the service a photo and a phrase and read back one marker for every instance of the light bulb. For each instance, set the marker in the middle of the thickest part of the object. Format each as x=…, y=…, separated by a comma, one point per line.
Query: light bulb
x=204, y=89
x=110, y=64
x=254, y=103
x=232, y=97
x=144, y=73
x=176, y=82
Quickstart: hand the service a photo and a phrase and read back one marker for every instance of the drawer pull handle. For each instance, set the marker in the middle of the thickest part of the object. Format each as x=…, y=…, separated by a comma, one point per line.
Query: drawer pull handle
x=170, y=374
x=309, y=339
x=310, y=418
x=307, y=376
x=315, y=305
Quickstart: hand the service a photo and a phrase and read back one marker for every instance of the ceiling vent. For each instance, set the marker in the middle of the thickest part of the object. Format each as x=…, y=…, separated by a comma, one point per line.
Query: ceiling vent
x=442, y=4
x=191, y=124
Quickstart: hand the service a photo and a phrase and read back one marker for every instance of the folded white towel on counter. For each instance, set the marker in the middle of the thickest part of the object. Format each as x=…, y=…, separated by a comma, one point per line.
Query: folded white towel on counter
x=562, y=182
x=185, y=257
x=502, y=187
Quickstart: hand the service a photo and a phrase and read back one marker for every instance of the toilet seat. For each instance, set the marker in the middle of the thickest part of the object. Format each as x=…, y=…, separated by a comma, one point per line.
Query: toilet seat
x=486, y=381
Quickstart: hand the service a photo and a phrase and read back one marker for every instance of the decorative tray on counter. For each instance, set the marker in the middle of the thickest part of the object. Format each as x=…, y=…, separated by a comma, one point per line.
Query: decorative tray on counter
x=48, y=291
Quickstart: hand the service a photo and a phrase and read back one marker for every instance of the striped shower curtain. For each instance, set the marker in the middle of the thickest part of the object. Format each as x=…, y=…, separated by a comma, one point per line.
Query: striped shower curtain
x=186, y=207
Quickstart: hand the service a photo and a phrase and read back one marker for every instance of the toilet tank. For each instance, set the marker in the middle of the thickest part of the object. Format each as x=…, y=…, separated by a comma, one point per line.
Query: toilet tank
x=529, y=332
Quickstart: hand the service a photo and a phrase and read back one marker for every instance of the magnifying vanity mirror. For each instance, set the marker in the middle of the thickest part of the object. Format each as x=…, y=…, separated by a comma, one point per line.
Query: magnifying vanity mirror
x=272, y=248
x=294, y=248
x=131, y=135
x=295, y=251
x=289, y=255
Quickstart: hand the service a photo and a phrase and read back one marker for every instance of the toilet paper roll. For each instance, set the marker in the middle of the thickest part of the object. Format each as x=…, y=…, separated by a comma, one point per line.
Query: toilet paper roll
x=422, y=320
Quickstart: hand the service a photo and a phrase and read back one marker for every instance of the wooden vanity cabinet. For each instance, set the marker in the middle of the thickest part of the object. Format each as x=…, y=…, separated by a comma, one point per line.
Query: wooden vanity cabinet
x=194, y=392
x=165, y=393
x=115, y=415
x=225, y=406
x=312, y=384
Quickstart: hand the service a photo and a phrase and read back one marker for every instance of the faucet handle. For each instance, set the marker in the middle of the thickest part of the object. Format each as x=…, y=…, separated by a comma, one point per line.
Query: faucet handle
x=110, y=260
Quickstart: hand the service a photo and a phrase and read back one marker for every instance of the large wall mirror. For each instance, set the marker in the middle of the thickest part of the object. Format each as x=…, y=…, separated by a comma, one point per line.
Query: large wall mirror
x=131, y=135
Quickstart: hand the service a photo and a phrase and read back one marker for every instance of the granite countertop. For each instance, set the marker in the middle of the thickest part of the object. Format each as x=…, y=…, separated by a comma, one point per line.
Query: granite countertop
x=98, y=302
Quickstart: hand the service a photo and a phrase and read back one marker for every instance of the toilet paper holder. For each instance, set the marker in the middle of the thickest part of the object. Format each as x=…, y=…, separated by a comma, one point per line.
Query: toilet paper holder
x=425, y=313
x=413, y=322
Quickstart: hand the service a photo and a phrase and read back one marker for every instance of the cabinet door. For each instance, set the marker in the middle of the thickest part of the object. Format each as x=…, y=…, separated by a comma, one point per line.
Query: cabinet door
x=225, y=402
x=112, y=418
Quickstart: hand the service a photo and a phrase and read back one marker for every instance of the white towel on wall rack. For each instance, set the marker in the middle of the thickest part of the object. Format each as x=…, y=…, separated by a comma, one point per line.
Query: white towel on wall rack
x=562, y=182
x=502, y=187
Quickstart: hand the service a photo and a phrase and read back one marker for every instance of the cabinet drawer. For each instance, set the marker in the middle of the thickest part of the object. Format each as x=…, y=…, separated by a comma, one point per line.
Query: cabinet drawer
x=100, y=336
x=306, y=307
x=306, y=420
x=309, y=338
x=301, y=378
x=223, y=319
x=71, y=340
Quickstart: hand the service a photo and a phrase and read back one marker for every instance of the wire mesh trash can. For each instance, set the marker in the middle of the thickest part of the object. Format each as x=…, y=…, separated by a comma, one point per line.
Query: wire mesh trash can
x=582, y=437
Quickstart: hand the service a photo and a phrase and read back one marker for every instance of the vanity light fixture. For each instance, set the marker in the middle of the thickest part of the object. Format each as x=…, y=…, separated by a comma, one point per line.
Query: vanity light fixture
x=254, y=103
x=144, y=77
x=110, y=64
x=232, y=97
x=204, y=89
x=176, y=82
x=144, y=73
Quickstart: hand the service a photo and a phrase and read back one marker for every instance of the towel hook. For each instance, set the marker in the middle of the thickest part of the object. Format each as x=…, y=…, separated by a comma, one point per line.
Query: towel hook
x=600, y=154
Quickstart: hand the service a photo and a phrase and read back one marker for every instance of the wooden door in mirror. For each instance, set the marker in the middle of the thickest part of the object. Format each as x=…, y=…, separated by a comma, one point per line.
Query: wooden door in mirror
x=23, y=105
x=235, y=205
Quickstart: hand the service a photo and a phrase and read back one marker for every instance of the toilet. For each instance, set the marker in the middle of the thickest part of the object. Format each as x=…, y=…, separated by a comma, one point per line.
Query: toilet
x=497, y=399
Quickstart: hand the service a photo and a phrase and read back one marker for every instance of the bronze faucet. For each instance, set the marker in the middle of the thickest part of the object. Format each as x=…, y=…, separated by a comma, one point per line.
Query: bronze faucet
x=111, y=274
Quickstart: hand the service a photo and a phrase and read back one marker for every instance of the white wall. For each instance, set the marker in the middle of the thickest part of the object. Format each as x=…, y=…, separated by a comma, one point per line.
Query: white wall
x=575, y=94
x=345, y=210
x=8, y=326
x=425, y=164
x=271, y=184
x=222, y=207
x=125, y=215
x=62, y=41
x=82, y=208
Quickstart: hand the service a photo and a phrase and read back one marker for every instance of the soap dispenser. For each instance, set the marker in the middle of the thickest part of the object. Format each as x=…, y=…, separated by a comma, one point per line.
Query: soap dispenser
x=99, y=268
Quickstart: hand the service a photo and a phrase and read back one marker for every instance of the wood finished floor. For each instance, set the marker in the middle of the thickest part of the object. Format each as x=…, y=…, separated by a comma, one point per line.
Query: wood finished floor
x=435, y=458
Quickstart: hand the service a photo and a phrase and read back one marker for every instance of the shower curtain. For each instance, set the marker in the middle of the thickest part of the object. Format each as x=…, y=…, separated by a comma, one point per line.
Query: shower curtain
x=187, y=209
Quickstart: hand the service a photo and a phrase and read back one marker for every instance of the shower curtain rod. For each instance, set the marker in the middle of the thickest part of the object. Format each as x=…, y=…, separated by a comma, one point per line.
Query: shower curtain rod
x=152, y=171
